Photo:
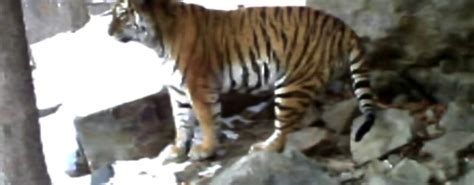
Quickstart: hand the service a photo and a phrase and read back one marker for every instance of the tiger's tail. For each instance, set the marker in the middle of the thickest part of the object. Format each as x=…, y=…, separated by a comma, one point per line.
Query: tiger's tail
x=361, y=86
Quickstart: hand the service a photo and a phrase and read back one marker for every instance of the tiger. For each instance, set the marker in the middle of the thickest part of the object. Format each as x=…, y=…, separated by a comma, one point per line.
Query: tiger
x=291, y=52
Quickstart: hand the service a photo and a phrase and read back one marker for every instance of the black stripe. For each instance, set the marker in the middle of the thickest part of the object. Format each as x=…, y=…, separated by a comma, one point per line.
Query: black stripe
x=339, y=34
x=332, y=40
x=367, y=105
x=301, y=11
x=310, y=56
x=184, y=105
x=175, y=89
x=256, y=70
x=366, y=96
x=314, y=26
x=176, y=64
x=299, y=61
x=289, y=11
x=229, y=63
x=284, y=38
x=277, y=62
x=245, y=70
x=362, y=84
x=277, y=12
x=284, y=108
x=183, y=75
x=220, y=57
x=293, y=94
x=266, y=72
x=274, y=28
x=263, y=14
x=293, y=44
x=359, y=71
x=255, y=43
x=267, y=39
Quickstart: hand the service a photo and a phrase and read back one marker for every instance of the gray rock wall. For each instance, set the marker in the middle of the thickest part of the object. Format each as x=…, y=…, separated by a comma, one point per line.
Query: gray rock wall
x=414, y=38
x=46, y=18
x=414, y=32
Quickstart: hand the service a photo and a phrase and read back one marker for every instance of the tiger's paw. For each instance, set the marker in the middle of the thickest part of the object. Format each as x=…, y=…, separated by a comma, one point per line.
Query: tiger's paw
x=175, y=154
x=274, y=143
x=202, y=151
x=266, y=147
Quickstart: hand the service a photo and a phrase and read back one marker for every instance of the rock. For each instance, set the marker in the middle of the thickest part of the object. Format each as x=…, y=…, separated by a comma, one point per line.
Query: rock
x=265, y=168
x=394, y=159
x=131, y=131
x=443, y=168
x=444, y=151
x=383, y=180
x=48, y=111
x=458, y=117
x=391, y=130
x=391, y=87
x=312, y=115
x=306, y=138
x=404, y=33
x=60, y=16
x=370, y=21
x=461, y=64
x=338, y=117
x=466, y=179
x=376, y=167
x=77, y=164
x=102, y=175
x=451, y=142
x=405, y=172
x=445, y=87
x=410, y=171
x=433, y=131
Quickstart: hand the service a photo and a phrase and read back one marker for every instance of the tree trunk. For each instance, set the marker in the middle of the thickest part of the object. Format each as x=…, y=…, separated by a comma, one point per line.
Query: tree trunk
x=21, y=155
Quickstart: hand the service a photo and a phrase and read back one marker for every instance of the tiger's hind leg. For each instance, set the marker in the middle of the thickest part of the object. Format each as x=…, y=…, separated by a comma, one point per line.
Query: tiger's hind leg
x=290, y=105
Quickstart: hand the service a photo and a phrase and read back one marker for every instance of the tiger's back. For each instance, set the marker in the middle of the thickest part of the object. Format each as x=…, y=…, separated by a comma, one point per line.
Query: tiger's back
x=290, y=51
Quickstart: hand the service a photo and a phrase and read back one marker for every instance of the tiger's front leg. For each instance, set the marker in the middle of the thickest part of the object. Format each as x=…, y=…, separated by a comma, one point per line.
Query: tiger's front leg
x=207, y=109
x=184, y=125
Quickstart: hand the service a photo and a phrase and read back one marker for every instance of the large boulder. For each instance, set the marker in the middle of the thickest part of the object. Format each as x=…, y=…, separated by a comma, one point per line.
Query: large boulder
x=134, y=130
x=264, y=168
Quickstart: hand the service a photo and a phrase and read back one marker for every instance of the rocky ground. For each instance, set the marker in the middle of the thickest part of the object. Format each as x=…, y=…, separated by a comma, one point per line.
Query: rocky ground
x=413, y=143
x=423, y=76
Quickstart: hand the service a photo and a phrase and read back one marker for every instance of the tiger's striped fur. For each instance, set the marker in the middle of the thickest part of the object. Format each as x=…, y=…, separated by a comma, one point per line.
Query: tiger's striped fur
x=292, y=52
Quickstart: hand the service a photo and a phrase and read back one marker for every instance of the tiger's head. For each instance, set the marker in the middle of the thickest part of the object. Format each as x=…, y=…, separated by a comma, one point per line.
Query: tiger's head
x=127, y=24
x=143, y=21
